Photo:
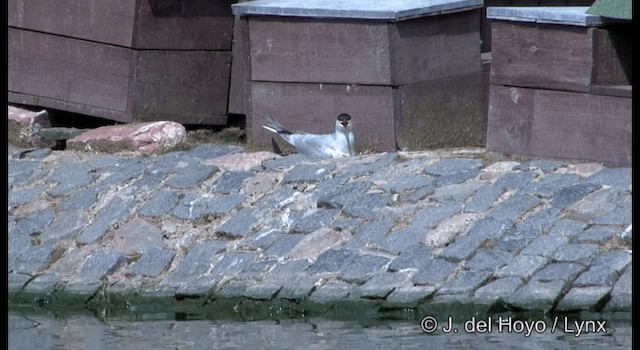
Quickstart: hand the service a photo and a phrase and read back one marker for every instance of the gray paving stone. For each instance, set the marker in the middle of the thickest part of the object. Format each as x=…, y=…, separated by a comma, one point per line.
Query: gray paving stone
x=596, y=234
x=318, y=219
x=233, y=289
x=350, y=224
x=463, y=248
x=584, y=298
x=210, y=151
x=490, y=228
x=452, y=166
x=515, y=180
x=284, y=245
x=620, y=214
x=523, y=266
x=34, y=223
x=264, y=240
x=200, y=286
x=194, y=176
x=621, y=295
x=46, y=283
x=512, y=243
x=497, y=289
x=414, y=257
x=150, y=182
x=615, y=177
x=100, y=264
x=581, y=253
x=239, y=225
x=550, y=184
x=370, y=234
x=435, y=272
x=536, y=295
x=117, y=209
x=367, y=207
x=566, y=272
x=298, y=287
x=124, y=173
x=407, y=183
x=546, y=166
x=572, y=194
x=277, y=198
x=84, y=199
x=513, y=207
x=168, y=163
x=282, y=163
x=230, y=182
x=152, y=263
x=399, y=241
x=257, y=269
x=67, y=224
x=232, y=263
x=544, y=245
x=464, y=283
x=83, y=286
x=456, y=193
x=538, y=223
x=362, y=169
x=456, y=177
x=193, y=206
x=333, y=260
x=341, y=195
x=263, y=291
x=289, y=268
x=416, y=195
x=310, y=173
x=489, y=260
x=25, y=196
x=108, y=162
x=197, y=261
x=410, y=296
x=379, y=286
x=362, y=267
x=161, y=203
x=33, y=259
x=483, y=199
x=39, y=154
x=567, y=228
x=331, y=292
x=604, y=271
x=22, y=169
x=71, y=178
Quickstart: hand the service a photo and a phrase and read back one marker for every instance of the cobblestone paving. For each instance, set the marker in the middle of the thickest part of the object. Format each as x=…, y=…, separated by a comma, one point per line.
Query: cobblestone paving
x=399, y=228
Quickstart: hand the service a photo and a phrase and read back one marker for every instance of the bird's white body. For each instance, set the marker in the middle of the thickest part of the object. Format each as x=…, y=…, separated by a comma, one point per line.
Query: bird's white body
x=339, y=144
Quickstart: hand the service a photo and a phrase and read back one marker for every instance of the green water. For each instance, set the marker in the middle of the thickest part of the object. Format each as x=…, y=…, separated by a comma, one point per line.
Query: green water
x=234, y=325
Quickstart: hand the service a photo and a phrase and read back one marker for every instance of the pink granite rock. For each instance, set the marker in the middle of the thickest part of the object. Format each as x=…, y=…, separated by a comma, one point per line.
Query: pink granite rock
x=24, y=126
x=146, y=138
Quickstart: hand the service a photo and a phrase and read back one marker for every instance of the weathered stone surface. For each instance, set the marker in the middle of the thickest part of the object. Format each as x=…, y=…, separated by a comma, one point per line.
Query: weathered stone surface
x=238, y=225
x=449, y=229
x=100, y=264
x=316, y=243
x=596, y=234
x=513, y=207
x=434, y=272
x=117, y=209
x=333, y=260
x=544, y=245
x=621, y=295
x=232, y=263
x=514, y=181
x=198, y=261
x=456, y=193
x=230, y=181
x=489, y=260
x=416, y=256
x=136, y=236
x=497, y=289
x=161, y=203
x=25, y=126
x=25, y=196
x=379, y=286
x=615, y=177
x=240, y=161
x=566, y=272
x=314, y=220
x=33, y=259
x=362, y=267
x=546, y=166
x=464, y=283
x=605, y=269
x=308, y=173
x=146, y=138
x=408, y=183
x=581, y=253
x=152, y=263
x=67, y=224
x=410, y=295
x=341, y=195
x=368, y=206
x=284, y=245
x=298, y=287
x=193, y=177
x=462, y=248
x=483, y=199
x=522, y=266
x=572, y=194
x=584, y=298
x=193, y=206
x=331, y=292
x=536, y=295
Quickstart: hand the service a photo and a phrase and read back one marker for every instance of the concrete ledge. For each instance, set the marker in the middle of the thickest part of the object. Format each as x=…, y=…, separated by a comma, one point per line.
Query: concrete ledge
x=356, y=9
x=572, y=15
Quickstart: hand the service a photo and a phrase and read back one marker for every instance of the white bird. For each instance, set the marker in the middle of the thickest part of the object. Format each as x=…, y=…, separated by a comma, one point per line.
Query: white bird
x=339, y=144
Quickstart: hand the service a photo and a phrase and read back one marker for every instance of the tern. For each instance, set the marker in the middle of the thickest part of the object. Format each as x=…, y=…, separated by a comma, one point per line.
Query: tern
x=339, y=144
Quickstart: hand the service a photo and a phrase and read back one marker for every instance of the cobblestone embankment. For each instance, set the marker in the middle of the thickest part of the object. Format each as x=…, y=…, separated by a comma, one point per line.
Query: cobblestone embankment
x=400, y=229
